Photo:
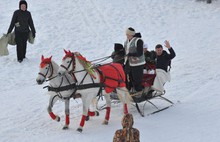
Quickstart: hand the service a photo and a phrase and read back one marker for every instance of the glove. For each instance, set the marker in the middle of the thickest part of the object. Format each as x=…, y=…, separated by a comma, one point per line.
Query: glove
x=33, y=34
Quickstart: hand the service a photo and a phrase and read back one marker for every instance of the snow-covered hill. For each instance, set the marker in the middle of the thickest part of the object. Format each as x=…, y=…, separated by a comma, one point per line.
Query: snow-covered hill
x=92, y=28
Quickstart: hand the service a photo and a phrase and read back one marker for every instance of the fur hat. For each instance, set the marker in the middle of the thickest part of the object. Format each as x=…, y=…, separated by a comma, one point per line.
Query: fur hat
x=22, y=2
x=130, y=31
x=118, y=47
x=127, y=121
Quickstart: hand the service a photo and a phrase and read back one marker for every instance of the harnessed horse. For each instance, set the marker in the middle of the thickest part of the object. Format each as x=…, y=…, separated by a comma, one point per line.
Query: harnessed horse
x=91, y=80
x=60, y=87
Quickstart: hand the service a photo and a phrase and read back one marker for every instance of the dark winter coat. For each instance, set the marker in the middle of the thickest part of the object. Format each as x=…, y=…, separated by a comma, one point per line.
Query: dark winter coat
x=118, y=57
x=163, y=61
x=118, y=53
x=22, y=20
x=149, y=57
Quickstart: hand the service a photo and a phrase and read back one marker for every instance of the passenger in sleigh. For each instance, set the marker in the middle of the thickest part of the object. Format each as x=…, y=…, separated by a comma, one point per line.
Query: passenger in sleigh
x=162, y=60
x=150, y=66
x=149, y=72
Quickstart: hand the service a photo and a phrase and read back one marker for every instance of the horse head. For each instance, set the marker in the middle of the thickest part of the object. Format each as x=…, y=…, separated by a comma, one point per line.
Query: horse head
x=68, y=63
x=45, y=69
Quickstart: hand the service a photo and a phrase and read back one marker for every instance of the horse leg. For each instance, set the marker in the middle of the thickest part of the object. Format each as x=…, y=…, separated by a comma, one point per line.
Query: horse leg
x=108, y=109
x=85, y=113
x=93, y=113
x=125, y=97
x=50, y=106
x=67, y=112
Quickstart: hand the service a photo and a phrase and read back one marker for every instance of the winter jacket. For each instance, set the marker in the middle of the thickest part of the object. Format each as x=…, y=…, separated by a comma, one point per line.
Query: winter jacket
x=148, y=57
x=22, y=20
x=118, y=53
x=134, y=50
x=163, y=61
x=118, y=57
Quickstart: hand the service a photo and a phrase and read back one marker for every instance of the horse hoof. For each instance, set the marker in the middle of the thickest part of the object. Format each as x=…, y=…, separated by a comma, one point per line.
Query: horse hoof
x=105, y=122
x=65, y=127
x=87, y=118
x=79, y=130
x=58, y=119
x=97, y=113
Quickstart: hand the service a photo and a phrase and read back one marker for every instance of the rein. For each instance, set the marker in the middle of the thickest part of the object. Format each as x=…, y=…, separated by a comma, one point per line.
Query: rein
x=101, y=59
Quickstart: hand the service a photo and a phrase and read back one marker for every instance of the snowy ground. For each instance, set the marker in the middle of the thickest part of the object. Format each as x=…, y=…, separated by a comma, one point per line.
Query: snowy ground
x=92, y=27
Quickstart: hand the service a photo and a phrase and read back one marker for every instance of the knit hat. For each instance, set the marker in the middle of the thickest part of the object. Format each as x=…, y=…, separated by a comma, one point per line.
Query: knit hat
x=130, y=31
x=22, y=2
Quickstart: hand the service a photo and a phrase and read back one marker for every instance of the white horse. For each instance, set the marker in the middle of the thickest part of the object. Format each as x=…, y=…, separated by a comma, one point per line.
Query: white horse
x=59, y=87
x=90, y=82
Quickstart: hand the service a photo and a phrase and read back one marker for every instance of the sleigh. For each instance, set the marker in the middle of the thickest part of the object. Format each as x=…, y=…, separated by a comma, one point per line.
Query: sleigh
x=148, y=95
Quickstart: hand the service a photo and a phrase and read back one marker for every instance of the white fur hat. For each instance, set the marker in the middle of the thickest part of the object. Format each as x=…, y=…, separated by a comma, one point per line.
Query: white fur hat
x=130, y=31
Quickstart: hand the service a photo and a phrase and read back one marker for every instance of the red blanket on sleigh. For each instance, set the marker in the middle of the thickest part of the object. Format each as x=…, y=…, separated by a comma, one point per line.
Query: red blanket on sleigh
x=113, y=76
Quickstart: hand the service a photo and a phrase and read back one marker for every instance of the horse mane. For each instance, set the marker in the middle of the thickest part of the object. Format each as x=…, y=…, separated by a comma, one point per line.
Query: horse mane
x=86, y=64
x=55, y=66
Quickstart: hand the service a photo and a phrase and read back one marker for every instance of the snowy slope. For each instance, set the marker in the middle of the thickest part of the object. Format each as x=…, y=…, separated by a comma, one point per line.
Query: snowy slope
x=92, y=27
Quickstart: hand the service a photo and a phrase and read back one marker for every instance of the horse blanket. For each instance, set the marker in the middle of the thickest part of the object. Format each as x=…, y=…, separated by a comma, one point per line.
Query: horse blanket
x=113, y=76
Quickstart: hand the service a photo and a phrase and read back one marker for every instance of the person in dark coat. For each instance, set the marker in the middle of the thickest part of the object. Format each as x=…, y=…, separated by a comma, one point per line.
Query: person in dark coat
x=118, y=53
x=162, y=59
x=22, y=20
x=150, y=60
